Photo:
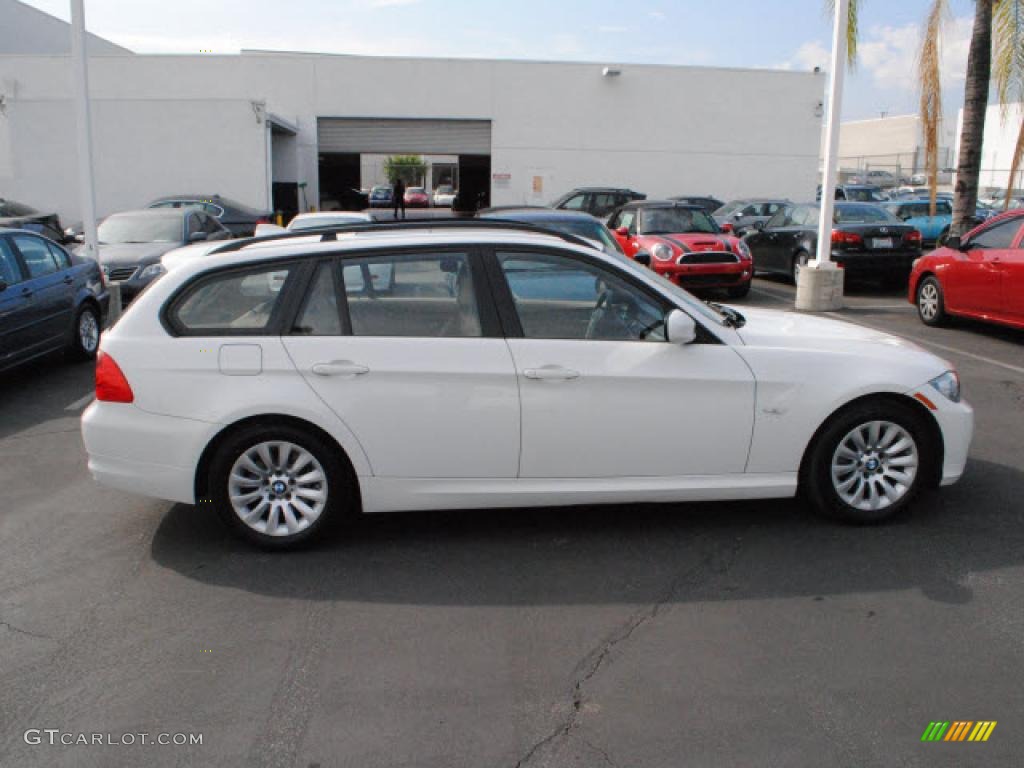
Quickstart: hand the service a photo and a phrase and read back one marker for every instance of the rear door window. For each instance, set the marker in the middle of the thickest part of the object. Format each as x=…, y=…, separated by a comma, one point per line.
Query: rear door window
x=36, y=255
x=10, y=271
x=420, y=295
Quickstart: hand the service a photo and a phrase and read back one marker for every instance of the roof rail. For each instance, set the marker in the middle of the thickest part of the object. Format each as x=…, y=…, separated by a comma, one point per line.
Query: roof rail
x=328, y=233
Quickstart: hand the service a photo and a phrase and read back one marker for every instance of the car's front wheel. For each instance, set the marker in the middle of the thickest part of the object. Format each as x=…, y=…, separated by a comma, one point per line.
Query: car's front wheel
x=869, y=462
x=931, y=305
x=279, y=486
x=85, y=334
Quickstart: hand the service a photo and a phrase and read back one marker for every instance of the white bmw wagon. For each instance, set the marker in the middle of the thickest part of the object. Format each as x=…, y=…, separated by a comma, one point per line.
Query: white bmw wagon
x=501, y=366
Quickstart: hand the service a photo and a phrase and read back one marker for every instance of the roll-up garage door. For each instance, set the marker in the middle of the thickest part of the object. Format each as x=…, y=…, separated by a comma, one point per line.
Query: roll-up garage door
x=388, y=136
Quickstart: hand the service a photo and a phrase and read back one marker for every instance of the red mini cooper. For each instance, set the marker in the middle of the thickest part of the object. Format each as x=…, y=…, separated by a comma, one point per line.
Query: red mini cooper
x=684, y=245
x=979, y=275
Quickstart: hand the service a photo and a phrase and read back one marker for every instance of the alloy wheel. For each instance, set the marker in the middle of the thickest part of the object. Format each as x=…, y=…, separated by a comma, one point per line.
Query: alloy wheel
x=277, y=488
x=928, y=301
x=88, y=331
x=874, y=465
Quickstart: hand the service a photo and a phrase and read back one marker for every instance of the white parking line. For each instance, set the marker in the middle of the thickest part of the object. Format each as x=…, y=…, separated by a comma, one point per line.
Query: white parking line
x=937, y=345
x=80, y=403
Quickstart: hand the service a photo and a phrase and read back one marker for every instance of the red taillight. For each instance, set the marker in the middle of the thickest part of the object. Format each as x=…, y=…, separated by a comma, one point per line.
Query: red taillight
x=727, y=227
x=913, y=237
x=846, y=238
x=111, y=385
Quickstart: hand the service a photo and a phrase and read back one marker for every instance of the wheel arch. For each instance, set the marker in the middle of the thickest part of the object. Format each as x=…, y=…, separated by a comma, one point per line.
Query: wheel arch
x=935, y=439
x=269, y=420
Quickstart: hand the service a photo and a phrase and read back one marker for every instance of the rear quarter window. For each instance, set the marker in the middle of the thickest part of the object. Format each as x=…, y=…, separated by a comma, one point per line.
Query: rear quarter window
x=240, y=302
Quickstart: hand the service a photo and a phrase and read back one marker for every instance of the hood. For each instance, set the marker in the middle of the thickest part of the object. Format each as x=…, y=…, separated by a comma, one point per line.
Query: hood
x=787, y=329
x=695, y=241
x=128, y=254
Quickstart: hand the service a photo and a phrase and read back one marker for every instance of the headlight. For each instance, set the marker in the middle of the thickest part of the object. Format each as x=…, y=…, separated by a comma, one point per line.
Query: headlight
x=948, y=384
x=743, y=248
x=153, y=270
x=661, y=252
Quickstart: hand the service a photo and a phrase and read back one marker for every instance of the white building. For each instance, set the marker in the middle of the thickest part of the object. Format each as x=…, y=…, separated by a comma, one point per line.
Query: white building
x=247, y=125
x=894, y=143
x=1000, y=140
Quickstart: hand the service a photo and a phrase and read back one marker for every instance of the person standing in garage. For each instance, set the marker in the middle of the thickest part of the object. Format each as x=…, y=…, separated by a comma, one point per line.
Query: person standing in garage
x=398, y=195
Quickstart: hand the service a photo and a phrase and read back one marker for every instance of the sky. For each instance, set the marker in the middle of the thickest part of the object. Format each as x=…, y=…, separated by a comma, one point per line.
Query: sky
x=787, y=34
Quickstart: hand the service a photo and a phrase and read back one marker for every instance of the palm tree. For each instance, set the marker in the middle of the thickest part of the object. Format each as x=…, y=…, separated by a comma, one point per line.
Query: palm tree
x=997, y=37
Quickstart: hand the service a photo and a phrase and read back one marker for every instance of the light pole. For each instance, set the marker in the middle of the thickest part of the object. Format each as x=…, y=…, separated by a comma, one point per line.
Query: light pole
x=83, y=120
x=820, y=285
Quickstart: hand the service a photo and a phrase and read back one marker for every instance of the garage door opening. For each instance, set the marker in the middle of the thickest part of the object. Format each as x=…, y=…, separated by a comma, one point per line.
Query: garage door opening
x=353, y=151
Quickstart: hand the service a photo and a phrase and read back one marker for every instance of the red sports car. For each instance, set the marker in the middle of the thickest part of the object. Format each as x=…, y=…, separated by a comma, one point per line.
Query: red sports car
x=980, y=275
x=684, y=245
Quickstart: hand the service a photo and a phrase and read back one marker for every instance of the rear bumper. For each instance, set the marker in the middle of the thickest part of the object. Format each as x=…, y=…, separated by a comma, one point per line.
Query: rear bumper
x=877, y=263
x=144, y=453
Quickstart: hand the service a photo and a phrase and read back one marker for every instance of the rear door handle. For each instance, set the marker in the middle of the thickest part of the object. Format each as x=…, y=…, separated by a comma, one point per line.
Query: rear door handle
x=339, y=368
x=551, y=373
x=68, y=279
x=27, y=292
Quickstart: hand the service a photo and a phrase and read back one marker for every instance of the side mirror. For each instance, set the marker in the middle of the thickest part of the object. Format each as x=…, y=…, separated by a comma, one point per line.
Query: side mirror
x=642, y=257
x=954, y=242
x=727, y=227
x=680, y=327
x=195, y=237
x=622, y=231
x=738, y=215
x=758, y=225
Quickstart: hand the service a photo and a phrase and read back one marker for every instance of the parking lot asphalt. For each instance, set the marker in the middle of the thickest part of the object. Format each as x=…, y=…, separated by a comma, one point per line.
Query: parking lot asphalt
x=731, y=634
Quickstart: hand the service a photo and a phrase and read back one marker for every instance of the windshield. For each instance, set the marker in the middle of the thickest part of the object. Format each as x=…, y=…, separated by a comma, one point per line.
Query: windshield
x=312, y=222
x=728, y=208
x=415, y=190
x=127, y=228
x=666, y=221
x=11, y=208
x=445, y=189
x=869, y=214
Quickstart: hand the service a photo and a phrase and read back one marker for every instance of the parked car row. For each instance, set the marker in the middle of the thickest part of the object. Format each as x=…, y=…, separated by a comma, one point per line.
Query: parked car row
x=443, y=196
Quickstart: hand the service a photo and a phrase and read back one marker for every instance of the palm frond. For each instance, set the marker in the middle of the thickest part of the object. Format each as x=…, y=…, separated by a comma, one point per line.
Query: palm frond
x=852, y=30
x=1008, y=51
x=929, y=76
x=1015, y=163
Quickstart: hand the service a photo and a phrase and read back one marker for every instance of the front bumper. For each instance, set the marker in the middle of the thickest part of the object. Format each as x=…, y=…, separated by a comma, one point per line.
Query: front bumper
x=706, y=275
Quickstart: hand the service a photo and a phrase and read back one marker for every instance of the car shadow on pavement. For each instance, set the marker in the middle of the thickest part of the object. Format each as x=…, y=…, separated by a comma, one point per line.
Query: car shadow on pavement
x=40, y=391
x=622, y=554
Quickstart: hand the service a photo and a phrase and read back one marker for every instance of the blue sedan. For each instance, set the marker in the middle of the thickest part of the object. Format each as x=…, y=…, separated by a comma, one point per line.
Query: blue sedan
x=50, y=300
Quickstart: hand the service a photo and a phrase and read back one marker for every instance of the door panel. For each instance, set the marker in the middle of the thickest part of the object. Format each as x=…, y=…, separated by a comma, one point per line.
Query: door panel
x=974, y=280
x=1013, y=279
x=50, y=288
x=632, y=409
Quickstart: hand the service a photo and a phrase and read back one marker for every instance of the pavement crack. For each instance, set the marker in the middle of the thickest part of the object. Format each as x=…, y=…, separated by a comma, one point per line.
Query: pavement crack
x=716, y=562
x=18, y=630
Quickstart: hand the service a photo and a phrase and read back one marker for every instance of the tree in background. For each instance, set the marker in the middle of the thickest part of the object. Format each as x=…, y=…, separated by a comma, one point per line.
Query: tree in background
x=408, y=168
x=997, y=39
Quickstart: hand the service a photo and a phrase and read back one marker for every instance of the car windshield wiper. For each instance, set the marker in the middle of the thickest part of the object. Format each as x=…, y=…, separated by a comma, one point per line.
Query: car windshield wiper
x=732, y=318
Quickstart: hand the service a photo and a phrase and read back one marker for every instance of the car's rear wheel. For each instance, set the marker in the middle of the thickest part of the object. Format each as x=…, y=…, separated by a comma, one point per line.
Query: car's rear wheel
x=869, y=462
x=279, y=486
x=85, y=334
x=931, y=306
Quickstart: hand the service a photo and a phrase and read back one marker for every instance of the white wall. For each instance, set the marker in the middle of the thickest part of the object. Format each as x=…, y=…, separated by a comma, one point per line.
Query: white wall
x=997, y=146
x=167, y=123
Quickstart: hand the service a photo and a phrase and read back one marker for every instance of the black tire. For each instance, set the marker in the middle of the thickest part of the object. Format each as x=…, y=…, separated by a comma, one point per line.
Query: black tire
x=738, y=291
x=816, y=481
x=82, y=347
x=800, y=259
x=342, y=495
x=930, y=302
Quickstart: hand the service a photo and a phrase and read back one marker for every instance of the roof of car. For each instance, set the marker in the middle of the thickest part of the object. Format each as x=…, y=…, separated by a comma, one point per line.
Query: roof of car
x=534, y=212
x=662, y=204
x=154, y=212
x=759, y=200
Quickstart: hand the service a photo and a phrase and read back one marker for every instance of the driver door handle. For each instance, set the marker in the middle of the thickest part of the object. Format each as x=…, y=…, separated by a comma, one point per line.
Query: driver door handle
x=551, y=373
x=339, y=368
